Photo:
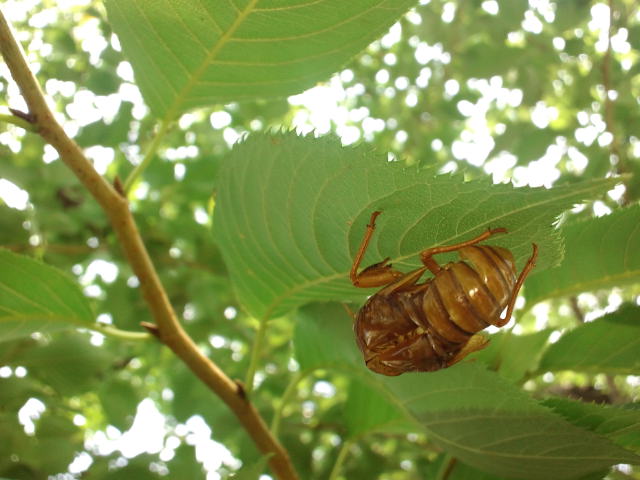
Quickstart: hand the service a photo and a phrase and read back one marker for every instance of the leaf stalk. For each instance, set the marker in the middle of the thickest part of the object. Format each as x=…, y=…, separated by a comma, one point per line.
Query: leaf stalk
x=122, y=334
x=17, y=121
x=286, y=396
x=146, y=161
x=342, y=455
x=255, y=355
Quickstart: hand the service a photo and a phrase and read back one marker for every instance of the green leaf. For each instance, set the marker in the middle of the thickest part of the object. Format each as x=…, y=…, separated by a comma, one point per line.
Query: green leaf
x=69, y=364
x=191, y=395
x=11, y=220
x=98, y=133
x=474, y=415
x=291, y=212
x=185, y=465
x=462, y=471
x=14, y=392
x=318, y=324
x=35, y=297
x=610, y=344
x=51, y=449
x=324, y=339
x=367, y=410
x=488, y=423
x=137, y=467
x=102, y=82
x=513, y=356
x=119, y=401
x=201, y=53
x=619, y=423
x=600, y=253
x=253, y=471
x=570, y=14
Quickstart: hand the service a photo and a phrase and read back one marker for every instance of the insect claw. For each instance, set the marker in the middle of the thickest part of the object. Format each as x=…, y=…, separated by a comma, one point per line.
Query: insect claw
x=372, y=220
x=378, y=266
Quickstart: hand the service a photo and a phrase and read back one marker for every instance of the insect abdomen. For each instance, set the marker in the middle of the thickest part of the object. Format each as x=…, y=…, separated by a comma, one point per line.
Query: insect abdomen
x=465, y=298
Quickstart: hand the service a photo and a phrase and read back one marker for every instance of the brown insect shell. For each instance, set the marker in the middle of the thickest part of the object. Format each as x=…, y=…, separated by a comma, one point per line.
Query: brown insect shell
x=423, y=326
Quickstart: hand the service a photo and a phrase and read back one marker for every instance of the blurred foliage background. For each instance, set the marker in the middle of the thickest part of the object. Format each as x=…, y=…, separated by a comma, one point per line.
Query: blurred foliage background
x=538, y=93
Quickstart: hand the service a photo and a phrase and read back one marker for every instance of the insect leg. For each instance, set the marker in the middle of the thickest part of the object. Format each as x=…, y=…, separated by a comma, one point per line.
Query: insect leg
x=375, y=275
x=523, y=275
x=432, y=265
x=475, y=343
x=347, y=309
x=406, y=281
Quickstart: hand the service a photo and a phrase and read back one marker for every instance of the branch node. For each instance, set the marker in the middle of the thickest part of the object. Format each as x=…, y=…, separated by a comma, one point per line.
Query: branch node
x=28, y=117
x=241, y=392
x=117, y=184
x=152, y=328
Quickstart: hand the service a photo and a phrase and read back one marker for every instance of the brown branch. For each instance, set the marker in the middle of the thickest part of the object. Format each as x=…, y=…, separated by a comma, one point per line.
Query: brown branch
x=116, y=206
x=575, y=308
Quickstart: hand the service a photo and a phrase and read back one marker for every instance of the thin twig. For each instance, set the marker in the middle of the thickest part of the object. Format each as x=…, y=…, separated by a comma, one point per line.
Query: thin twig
x=284, y=400
x=609, y=108
x=342, y=455
x=116, y=206
x=256, y=348
x=146, y=161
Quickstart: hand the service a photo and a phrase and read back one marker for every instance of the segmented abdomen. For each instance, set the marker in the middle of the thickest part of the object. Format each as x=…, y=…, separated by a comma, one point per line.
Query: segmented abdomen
x=466, y=297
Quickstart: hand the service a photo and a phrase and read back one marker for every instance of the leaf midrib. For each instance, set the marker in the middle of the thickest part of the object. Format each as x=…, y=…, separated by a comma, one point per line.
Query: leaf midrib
x=183, y=93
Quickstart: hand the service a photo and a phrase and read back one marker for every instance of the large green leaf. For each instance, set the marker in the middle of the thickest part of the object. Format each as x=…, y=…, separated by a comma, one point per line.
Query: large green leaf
x=69, y=364
x=35, y=297
x=119, y=400
x=15, y=391
x=619, y=423
x=600, y=253
x=461, y=471
x=610, y=344
x=475, y=416
x=192, y=54
x=490, y=424
x=51, y=449
x=291, y=212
